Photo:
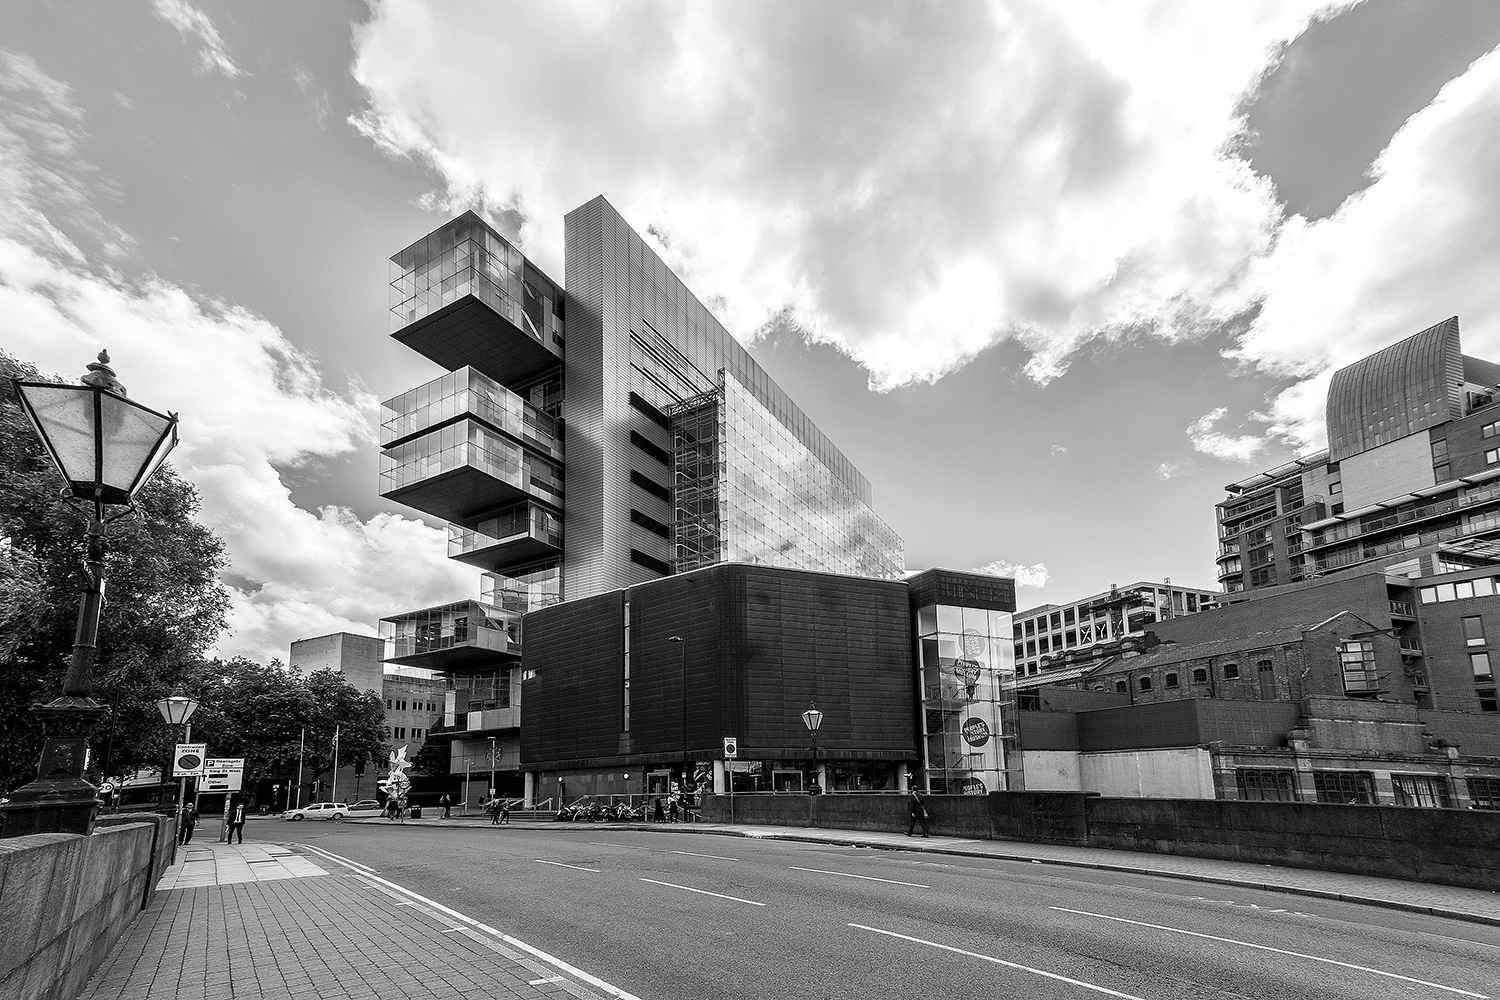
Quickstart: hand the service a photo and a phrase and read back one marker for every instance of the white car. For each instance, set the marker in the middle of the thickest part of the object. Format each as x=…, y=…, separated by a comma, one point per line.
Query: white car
x=365, y=807
x=318, y=810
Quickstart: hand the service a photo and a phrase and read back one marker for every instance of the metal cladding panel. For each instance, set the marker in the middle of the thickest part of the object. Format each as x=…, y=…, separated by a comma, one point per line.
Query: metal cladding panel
x=583, y=381
x=469, y=333
x=761, y=644
x=969, y=590
x=1410, y=386
x=574, y=701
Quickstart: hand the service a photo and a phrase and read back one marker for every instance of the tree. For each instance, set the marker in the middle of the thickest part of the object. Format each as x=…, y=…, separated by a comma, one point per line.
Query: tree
x=261, y=713
x=164, y=605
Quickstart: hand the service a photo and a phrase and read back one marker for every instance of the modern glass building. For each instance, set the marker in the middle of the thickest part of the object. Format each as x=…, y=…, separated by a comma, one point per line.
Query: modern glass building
x=589, y=439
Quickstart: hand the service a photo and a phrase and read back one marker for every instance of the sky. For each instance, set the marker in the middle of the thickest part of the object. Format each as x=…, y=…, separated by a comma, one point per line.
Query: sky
x=1050, y=274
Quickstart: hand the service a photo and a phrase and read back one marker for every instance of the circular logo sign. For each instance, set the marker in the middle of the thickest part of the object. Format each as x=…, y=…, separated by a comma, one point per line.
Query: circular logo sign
x=974, y=643
x=976, y=732
x=106, y=788
x=973, y=786
x=189, y=762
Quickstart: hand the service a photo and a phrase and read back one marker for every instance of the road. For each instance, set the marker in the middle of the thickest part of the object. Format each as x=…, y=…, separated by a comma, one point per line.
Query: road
x=673, y=916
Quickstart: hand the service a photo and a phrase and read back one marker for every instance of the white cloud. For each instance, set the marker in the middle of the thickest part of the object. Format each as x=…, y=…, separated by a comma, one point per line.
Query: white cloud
x=915, y=187
x=1058, y=449
x=1171, y=470
x=194, y=25
x=1035, y=575
x=1231, y=448
x=250, y=401
x=1418, y=245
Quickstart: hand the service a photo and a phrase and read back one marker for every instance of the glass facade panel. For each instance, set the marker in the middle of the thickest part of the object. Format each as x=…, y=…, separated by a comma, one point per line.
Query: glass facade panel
x=747, y=490
x=968, y=672
x=523, y=590
x=467, y=443
x=467, y=623
x=471, y=393
x=522, y=521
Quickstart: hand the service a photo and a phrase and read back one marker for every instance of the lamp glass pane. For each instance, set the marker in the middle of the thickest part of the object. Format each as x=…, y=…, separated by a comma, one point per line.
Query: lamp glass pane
x=64, y=418
x=132, y=435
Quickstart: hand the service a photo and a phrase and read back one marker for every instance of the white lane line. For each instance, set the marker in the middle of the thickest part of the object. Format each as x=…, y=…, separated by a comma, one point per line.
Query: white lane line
x=451, y=930
x=540, y=982
x=559, y=864
x=716, y=857
x=1279, y=951
x=1000, y=961
x=867, y=878
x=705, y=892
x=469, y=921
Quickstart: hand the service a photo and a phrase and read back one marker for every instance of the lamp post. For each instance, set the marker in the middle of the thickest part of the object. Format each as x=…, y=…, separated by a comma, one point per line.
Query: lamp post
x=176, y=710
x=492, y=767
x=812, y=719
x=106, y=448
x=687, y=766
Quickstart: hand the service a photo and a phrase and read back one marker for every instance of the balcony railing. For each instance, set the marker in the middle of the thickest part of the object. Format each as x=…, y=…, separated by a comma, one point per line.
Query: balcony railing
x=529, y=531
x=450, y=635
x=1406, y=515
x=1410, y=647
x=1403, y=608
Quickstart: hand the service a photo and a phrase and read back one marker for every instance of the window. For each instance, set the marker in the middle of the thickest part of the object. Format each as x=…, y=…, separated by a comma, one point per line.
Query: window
x=1121, y=687
x=1474, y=630
x=1349, y=787
x=1335, y=488
x=1231, y=671
x=1439, y=450
x=1200, y=676
x=651, y=524
x=1144, y=684
x=1266, y=784
x=1490, y=430
x=1487, y=700
x=1068, y=616
x=1070, y=638
x=1426, y=791
x=650, y=486
x=388, y=703
x=1492, y=456
x=648, y=446
x=1031, y=648
x=1484, y=793
x=1170, y=681
x=1480, y=664
x=1266, y=672
x=1057, y=619
x=1463, y=589
x=1263, y=577
x=1357, y=658
x=1442, y=473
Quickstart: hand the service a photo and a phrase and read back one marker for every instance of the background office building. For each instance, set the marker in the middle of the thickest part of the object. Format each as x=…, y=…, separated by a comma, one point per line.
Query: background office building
x=1408, y=482
x=1054, y=636
x=586, y=440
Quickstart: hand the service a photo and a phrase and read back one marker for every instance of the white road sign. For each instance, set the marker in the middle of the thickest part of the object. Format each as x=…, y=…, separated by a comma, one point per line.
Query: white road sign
x=223, y=774
x=187, y=762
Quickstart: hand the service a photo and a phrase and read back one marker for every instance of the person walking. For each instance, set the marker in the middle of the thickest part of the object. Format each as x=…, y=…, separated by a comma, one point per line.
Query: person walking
x=236, y=822
x=494, y=810
x=505, y=811
x=189, y=821
x=660, y=813
x=918, y=812
x=447, y=805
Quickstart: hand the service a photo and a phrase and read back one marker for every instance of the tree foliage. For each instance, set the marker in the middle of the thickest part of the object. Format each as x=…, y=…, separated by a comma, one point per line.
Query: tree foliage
x=164, y=605
x=262, y=713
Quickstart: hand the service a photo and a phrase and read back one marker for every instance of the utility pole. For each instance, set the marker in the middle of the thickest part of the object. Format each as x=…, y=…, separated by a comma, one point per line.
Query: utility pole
x=335, y=764
x=301, y=748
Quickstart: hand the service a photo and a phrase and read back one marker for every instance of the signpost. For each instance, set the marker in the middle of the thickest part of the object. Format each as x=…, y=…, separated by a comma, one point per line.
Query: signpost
x=223, y=774
x=731, y=751
x=188, y=760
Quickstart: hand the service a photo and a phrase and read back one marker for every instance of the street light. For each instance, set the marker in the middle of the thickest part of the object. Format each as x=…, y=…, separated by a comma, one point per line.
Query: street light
x=812, y=719
x=176, y=710
x=106, y=448
x=687, y=765
x=492, y=767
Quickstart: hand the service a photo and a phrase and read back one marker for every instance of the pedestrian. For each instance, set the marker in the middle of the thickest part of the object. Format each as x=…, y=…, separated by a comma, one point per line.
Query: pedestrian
x=660, y=814
x=918, y=813
x=189, y=820
x=236, y=821
x=672, y=810
x=505, y=811
x=392, y=808
x=494, y=810
x=447, y=805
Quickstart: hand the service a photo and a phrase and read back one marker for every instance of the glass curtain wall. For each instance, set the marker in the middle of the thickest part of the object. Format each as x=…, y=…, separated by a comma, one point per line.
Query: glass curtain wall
x=968, y=691
x=465, y=257
x=525, y=589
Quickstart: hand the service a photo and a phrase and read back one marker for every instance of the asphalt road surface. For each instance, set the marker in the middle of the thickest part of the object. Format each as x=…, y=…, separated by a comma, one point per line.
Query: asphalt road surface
x=673, y=916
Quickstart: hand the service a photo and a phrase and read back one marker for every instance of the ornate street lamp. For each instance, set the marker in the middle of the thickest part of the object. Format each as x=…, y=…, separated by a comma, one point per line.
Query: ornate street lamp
x=176, y=710
x=106, y=448
x=812, y=719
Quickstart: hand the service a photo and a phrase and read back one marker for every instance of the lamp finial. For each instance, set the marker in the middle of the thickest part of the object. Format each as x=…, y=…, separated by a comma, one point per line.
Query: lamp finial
x=103, y=376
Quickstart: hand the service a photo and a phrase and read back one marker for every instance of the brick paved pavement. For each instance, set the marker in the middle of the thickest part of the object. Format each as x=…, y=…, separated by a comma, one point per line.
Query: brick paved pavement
x=322, y=931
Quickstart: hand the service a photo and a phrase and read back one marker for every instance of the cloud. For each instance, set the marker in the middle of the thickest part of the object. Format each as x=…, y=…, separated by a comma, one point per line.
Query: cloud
x=1058, y=449
x=1035, y=575
x=194, y=25
x=915, y=188
x=1171, y=470
x=251, y=403
x=1418, y=245
x=317, y=97
x=1241, y=448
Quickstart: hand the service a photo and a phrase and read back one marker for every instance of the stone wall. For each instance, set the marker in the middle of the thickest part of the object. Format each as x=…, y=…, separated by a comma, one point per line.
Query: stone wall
x=68, y=899
x=1445, y=846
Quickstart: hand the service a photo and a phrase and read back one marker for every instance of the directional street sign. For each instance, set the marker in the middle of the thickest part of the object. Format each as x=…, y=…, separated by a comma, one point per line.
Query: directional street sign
x=223, y=774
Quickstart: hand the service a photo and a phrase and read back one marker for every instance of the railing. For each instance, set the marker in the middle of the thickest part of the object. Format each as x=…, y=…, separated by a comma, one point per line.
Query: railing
x=1403, y=608
x=1410, y=646
x=1406, y=516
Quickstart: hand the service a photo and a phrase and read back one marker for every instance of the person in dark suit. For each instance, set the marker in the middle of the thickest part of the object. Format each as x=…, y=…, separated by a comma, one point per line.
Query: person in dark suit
x=236, y=822
x=918, y=812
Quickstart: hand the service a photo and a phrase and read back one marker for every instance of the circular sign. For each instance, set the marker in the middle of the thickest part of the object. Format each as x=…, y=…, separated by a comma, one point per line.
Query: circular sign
x=973, y=786
x=106, y=788
x=967, y=672
x=189, y=762
x=974, y=643
x=976, y=732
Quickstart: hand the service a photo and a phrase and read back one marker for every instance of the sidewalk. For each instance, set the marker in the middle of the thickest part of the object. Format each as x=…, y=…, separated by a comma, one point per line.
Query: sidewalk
x=266, y=921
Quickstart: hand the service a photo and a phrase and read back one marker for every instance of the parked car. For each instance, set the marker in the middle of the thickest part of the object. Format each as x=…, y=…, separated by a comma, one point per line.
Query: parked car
x=318, y=810
x=366, y=807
